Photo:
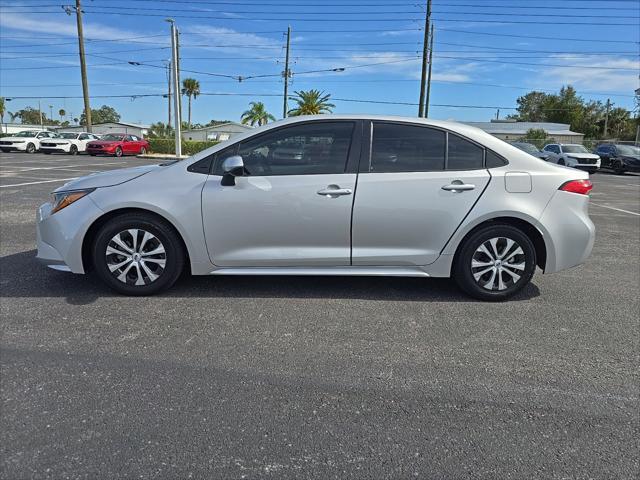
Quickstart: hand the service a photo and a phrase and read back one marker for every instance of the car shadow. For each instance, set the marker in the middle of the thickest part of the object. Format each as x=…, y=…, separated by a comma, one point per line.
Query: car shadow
x=23, y=276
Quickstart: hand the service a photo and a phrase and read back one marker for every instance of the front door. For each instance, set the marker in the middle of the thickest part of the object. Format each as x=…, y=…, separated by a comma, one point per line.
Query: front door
x=414, y=190
x=293, y=205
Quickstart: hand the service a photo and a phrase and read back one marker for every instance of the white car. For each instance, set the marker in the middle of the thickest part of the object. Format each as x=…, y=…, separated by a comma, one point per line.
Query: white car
x=67, y=142
x=572, y=155
x=25, y=141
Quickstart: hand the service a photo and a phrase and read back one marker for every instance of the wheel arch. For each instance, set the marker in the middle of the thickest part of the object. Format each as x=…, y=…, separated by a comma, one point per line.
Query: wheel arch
x=523, y=225
x=87, y=241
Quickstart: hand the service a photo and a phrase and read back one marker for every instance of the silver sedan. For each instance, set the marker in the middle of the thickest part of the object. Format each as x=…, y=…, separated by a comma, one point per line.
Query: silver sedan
x=327, y=195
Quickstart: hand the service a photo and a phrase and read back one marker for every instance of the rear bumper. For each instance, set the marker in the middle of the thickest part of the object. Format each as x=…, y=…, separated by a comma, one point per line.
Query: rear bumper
x=570, y=233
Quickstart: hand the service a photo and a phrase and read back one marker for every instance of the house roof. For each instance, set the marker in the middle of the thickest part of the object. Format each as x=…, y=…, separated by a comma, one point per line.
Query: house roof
x=219, y=125
x=521, y=128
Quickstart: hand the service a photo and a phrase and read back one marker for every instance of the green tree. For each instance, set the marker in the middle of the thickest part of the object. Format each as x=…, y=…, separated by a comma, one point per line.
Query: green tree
x=29, y=115
x=311, y=102
x=104, y=114
x=2, y=110
x=257, y=114
x=190, y=88
x=161, y=130
x=62, y=112
x=620, y=125
x=537, y=136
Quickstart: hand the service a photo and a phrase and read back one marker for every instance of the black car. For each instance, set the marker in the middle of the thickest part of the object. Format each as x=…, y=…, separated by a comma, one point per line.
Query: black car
x=531, y=150
x=619, y=158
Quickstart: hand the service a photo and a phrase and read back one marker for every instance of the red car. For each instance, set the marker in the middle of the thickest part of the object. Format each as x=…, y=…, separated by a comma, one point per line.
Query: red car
x=118, y=144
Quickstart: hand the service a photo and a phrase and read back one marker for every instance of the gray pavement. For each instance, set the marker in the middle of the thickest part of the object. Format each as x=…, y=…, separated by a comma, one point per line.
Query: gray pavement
x=322, y=378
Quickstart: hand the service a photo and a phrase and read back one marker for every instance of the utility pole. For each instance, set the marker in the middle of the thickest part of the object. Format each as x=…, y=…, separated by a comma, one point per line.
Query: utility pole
x=40, y=114
x=286, y=74
x=178, y=91
x=606, y=119
x=50, y=112
x=176, y=86
x=425, y=46
x=83, y=67
x=169, y=92
x=426, y=106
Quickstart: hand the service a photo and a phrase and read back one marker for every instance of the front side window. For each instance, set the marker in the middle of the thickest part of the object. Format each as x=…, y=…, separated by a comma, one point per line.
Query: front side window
x=406, y=148
x=311, y=149
x=463, y=155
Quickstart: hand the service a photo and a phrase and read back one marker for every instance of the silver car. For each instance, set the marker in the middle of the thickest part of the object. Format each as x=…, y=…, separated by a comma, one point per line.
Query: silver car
x=327, y=195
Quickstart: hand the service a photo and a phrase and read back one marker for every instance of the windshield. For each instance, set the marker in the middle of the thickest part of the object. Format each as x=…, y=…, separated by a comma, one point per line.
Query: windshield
x=67, y=135
x=574, y=149
x=26, y=133
x=112, y=137
x=628, y=150
x=526, y=147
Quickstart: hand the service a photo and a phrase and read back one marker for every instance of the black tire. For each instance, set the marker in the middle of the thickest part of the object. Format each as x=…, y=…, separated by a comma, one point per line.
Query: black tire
x=464, y=275
x=165, y=234
x=143, y=151
x=118, y=152
x=618, y=167
x=561, y=161
x=46, y=152
x=73, y=150
x=31, y=148
x=93, y=154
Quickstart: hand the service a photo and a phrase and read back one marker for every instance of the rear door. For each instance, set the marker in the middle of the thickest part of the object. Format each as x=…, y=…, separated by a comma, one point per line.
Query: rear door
x=417, y=186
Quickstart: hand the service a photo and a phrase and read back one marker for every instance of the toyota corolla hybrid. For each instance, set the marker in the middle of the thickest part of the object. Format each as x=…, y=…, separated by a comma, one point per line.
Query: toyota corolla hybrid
x=327, y=195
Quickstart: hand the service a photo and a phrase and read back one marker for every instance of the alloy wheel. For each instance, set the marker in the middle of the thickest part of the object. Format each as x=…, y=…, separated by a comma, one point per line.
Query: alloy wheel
x=498, y=263
x=136, y=257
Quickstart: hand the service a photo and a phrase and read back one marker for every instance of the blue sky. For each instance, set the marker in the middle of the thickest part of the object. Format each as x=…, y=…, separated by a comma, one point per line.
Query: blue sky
x=485, y=53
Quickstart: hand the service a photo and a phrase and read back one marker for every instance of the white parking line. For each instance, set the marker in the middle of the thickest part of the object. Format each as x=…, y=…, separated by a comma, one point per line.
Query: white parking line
x=62, y=167
x=36, y=183
x=617, y=209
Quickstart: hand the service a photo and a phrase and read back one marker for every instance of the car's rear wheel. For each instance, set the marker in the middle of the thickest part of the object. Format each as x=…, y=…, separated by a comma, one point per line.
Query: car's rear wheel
x=73, y=150
x=495, y=262
x=31, y=148
x=137, y=254
x=618, y=167
x=143, y=151
x=118, y=152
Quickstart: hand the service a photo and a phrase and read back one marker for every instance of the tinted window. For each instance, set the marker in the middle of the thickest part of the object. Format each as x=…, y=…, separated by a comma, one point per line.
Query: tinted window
x=316, y=148
x=406, y=148
x=463, y=155
x=493, y=160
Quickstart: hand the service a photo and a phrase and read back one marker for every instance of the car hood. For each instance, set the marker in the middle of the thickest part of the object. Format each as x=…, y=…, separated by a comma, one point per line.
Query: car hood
x=582, y=155
x=105, y=142
x=106, y=179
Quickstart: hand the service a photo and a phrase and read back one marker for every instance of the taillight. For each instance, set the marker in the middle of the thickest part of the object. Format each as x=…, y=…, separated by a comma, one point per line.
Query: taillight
x=582, y=187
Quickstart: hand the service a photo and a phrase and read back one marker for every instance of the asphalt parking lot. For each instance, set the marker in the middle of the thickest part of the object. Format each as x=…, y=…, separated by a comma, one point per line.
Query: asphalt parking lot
x=244, y=377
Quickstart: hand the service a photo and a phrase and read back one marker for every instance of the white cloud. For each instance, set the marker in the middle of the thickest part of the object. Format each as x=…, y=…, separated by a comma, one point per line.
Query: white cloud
x=591, y=78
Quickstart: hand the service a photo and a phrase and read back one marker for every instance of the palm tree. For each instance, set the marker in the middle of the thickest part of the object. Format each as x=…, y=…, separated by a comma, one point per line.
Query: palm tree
x=312, y=102
x=62, y=112
x=1, y=112
x=256, y=114
x=190, y=88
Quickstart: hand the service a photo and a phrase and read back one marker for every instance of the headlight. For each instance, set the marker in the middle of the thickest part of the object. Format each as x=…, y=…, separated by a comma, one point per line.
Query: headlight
x=64, y=199
x=18, y=141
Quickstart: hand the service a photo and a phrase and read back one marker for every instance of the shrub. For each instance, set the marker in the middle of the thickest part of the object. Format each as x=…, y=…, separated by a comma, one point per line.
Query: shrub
x=167, y=145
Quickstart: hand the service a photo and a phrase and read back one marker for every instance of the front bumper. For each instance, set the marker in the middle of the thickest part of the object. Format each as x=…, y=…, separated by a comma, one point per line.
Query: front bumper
x=19, y=147
x=57, y=148
x=101, y=151
x=59, y=236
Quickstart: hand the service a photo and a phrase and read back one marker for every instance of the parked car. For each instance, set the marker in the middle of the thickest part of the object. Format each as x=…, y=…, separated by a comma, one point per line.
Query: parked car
x=572, y=155
x=531, y=149
x=25, y=141
x=361, y=195
x=67, y=142
x=118, y=144
x=619, y=158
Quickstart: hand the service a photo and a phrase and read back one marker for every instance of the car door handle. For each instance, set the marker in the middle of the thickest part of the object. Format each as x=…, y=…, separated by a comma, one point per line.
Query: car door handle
x=458, y=187
x=334, y=191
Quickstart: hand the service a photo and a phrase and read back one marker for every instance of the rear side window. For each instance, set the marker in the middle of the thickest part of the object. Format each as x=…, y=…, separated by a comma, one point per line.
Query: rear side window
x=406, y=148
x=463, y=155
x=493, y=160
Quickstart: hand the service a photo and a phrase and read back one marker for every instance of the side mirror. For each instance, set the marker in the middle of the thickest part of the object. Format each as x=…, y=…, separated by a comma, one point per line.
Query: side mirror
x=232, y=167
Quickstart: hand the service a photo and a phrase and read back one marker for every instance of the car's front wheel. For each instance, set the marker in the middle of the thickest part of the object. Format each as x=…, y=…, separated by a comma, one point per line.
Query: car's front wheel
x=118, y=152
x=495, y=262
x=73, y=150
x=31, y=148
x=138, y=254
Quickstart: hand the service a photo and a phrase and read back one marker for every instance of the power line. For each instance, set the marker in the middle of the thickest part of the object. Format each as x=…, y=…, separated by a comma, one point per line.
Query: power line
x=538, y=37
